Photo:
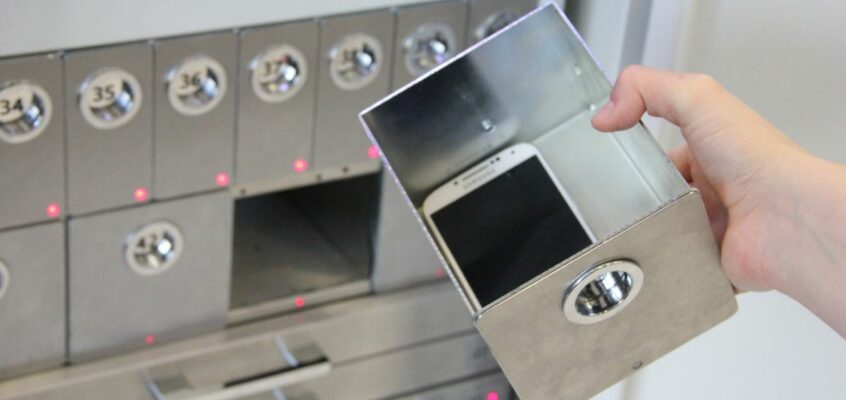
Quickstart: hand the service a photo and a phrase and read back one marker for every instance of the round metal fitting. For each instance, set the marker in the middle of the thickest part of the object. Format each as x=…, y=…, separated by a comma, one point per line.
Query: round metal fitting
x=4, y=279
x=154, y=248
x=279, y=73
x=428, y=46
x=196, y=85
x=494, y=23
x=109, y=98
x=25, y=111
x=602, y=291
x=355, y=61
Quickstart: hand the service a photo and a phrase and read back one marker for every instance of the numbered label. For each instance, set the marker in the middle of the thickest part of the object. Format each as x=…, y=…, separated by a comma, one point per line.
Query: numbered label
x=279, y=73
x=196, y=85
x=154, y=249
x=25, y=111
x=109, y=98
x=427, y=47
x=355, y=61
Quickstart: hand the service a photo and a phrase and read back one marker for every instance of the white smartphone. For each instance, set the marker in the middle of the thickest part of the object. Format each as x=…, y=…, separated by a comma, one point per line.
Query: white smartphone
x=504, y=221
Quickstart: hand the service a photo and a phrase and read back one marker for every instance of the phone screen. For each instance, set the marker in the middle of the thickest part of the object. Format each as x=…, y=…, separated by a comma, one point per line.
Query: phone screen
x=510, y=230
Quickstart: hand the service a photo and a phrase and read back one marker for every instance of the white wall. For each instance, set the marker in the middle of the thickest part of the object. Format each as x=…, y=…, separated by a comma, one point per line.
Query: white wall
x=787, y=59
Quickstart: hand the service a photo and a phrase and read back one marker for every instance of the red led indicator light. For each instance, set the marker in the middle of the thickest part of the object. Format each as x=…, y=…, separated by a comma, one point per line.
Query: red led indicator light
x=299, y=302
x=300, y=165
x=492, y=396
x=53, y=210
x=222, y=179
x=373, y=151
x=440, y=273
x=141, y=195
x=150, y=340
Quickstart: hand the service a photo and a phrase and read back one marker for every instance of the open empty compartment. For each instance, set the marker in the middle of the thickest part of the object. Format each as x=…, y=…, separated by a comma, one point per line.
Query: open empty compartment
x=303, y=246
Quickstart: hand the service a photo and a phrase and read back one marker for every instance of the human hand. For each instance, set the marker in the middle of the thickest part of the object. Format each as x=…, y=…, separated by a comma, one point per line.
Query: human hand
x=777, y=212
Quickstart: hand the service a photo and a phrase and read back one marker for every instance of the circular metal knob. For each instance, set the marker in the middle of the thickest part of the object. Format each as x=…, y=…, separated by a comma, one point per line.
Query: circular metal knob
x=109, y=98
x=4, y=279
x=154, y=248
x=494, y=23
x=427, y=47
x=602, y=292
x=355, y=61
x=279, y=73
x=25, y=111
x=196, y=85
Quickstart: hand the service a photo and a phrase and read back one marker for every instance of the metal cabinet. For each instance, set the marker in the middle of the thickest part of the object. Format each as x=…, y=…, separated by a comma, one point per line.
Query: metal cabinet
x=354, y=72
x=148, y=274
x=427, y=36
x=492, y=386
x=32, y=299
x=195, y=113
x=109, y=126
x=279, y=71
x=32, y=140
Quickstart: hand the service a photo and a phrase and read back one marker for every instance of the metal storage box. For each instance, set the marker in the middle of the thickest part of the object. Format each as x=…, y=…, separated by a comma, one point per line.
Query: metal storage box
x=32, y=140
x=108, y=99
x=32, y=299
x=354, y=70
x=646, y=280
x=148, y=274
x=194, y=126
x=279, y=70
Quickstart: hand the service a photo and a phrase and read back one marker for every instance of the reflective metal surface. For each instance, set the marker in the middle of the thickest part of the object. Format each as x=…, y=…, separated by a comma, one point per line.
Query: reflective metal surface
x=154, y=248
x=109, y=98
x=429, y=46
x=25, y=111
x=602, y=292
x=196, y=85
x=278, y=73
x=355, y=61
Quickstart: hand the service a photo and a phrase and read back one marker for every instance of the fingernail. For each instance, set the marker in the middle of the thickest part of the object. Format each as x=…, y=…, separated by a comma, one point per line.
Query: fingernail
x=606, y=108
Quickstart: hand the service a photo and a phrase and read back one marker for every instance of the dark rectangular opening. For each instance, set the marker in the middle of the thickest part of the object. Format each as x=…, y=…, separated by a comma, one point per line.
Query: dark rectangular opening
x=297, y=243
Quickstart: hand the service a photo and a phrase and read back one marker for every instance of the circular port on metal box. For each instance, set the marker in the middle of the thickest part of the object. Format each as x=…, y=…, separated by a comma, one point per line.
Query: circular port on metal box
x=602, y=291
x=154, y=248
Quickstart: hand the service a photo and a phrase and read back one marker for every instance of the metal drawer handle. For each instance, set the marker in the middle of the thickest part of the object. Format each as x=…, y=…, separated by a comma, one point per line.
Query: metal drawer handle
x=355, y=61
x=25, y=111
x=109, y=98
x=196, y=85
x=428, y=46
x=296, y=371
x=278, y=73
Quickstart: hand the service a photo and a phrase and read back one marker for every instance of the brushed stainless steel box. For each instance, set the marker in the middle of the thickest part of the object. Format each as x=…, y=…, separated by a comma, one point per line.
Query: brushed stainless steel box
x=489, y=16
x=355, y=65
x=148, y=274
x=32, y=140
x=279, y=69
x=32, y=299
x=488, y=387
x=427, y=35
x=109, y=122
x=194, y=129
x=646, y=279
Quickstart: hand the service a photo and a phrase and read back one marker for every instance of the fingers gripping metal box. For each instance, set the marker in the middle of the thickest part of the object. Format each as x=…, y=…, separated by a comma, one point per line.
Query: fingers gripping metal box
x=581, y=255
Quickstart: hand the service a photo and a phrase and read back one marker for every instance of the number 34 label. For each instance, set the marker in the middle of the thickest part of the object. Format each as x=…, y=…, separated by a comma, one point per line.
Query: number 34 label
x=14, y=101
